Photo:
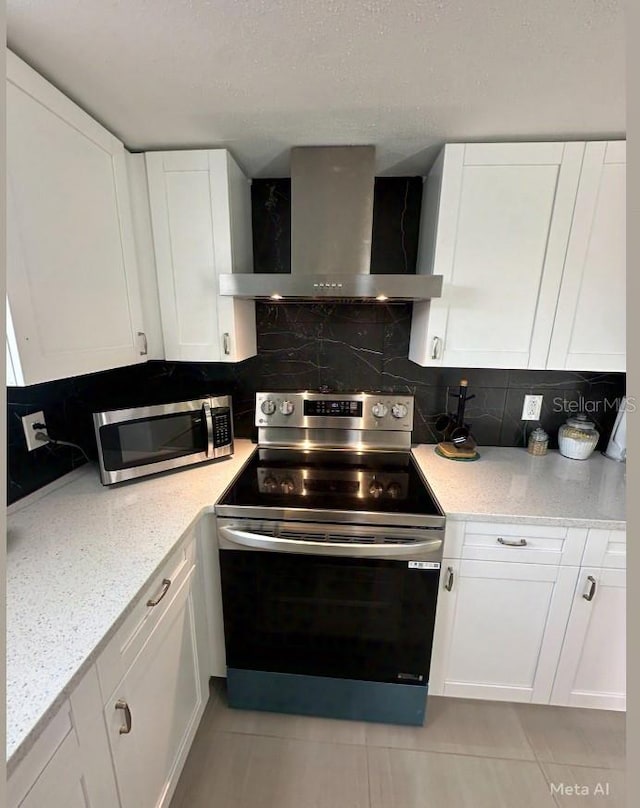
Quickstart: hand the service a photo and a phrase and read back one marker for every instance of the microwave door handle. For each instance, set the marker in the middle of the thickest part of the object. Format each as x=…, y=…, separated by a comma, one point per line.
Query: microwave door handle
x=208, y=419
x=258, y=541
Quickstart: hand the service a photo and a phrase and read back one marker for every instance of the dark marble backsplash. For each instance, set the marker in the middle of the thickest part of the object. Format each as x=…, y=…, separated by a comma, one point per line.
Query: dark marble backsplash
x=337, y=346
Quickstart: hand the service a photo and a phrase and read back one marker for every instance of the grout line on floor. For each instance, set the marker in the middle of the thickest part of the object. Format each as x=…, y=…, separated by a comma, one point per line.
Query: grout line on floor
x=582, y=765
x=387, y=748
x=287, y=738
x=221, y=705
x=547, y=781
x=455, y=754
x=366, y=757
x=365, y=745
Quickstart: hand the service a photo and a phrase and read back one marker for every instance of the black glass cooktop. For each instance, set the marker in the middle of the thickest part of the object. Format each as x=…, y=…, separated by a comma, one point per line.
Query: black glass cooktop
x=378, y=482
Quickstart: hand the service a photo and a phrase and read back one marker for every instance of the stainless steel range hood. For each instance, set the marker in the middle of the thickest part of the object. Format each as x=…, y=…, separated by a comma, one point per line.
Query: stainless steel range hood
x=331, y=227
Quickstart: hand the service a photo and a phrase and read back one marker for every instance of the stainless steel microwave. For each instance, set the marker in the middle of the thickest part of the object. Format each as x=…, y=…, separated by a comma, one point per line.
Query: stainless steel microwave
x=147, y=440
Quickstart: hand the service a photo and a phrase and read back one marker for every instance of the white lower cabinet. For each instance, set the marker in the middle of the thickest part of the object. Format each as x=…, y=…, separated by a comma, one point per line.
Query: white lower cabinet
x=122, y=737
x=531, y=613
x=69, y=765
x=212, y=595
x=61, y=783
x=155, y=710
x=591, y=672
x=499, y=629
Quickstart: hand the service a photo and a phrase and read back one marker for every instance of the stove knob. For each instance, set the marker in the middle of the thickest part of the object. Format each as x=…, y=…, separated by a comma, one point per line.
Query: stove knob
x=375, y=489
x=286, y=407
x=270, y=483
x=394, y=490
x=379, y=410
x=287, y=486
x=399, y=410
x=268, y=406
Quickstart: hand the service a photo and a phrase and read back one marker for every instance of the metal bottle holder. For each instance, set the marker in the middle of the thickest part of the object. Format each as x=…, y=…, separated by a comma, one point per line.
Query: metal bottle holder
x=458, y=443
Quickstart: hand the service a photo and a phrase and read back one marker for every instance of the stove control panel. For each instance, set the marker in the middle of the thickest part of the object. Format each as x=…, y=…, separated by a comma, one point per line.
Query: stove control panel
x=308, y=410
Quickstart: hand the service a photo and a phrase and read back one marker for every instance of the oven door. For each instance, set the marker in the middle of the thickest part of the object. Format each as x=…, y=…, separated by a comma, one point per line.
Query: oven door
x=146, y=440
x=354, y=603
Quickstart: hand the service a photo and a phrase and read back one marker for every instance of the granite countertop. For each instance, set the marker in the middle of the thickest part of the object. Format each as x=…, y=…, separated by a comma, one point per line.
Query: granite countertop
x=79, y=556
x=513, y=485
x=77, y=559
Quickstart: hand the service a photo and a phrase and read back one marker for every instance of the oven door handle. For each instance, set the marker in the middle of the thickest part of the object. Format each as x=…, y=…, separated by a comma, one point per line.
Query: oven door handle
x=208, y=419
x=258, y=541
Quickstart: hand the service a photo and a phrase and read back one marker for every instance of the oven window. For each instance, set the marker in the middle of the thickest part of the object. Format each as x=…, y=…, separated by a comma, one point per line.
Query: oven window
x=343, y=617
x=152, y=440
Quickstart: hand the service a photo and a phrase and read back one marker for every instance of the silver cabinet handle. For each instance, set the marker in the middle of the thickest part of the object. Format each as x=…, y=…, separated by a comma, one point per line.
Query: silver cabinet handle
x=121, y=704
x=145, y=347
x=258, y=541
x=166, y=583
x=226, y=342
x=592, y=588
x=449, y=582
x=507, y=543
x=208, y=418
x=435, y=347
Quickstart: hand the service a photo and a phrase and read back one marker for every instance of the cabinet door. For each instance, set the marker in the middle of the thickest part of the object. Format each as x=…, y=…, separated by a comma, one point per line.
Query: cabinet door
x=61, y=783
x=212, y=595
x=72, y=284
x=589, y=330
x=201, y=214
x=69, y=765
x=499, y=629
x=591, y=672
x=165, y=692
x=496, y=221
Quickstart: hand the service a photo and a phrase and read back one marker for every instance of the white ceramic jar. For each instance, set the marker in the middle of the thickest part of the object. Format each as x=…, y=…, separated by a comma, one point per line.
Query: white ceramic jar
x=578, y=437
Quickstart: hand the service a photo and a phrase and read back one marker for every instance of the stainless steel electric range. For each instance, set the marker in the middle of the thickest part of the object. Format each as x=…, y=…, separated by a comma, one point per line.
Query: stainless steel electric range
x=330, y=550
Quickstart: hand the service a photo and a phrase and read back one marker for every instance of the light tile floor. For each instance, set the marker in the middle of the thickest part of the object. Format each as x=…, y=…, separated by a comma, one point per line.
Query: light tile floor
x=469, y=754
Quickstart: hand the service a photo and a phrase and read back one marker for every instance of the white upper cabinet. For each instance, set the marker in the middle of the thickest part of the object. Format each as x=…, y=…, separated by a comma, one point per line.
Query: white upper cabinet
x=530, y=241
x=201, y=214
x=589, y=330
x=495, y=224
x=72, y=284
x=145, y=253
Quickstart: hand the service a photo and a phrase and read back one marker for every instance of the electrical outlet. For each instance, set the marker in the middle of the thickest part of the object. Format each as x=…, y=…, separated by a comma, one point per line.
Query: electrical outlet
x=531, y=408
x=30, y=433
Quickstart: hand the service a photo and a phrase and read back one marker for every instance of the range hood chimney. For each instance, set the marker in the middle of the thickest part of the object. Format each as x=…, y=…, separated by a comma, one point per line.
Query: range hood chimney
x=331, y=229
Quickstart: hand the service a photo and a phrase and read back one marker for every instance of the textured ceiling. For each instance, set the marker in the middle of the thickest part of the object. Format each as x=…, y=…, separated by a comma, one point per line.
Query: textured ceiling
x=260, y=76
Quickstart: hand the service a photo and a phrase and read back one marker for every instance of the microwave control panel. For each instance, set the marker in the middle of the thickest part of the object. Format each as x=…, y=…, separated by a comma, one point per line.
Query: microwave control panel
x=222, y=428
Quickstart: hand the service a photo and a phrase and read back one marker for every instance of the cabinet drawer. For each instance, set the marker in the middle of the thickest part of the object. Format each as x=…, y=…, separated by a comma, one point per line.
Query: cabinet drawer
x=140, y=622
x=606, y=548
x=539, y=544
